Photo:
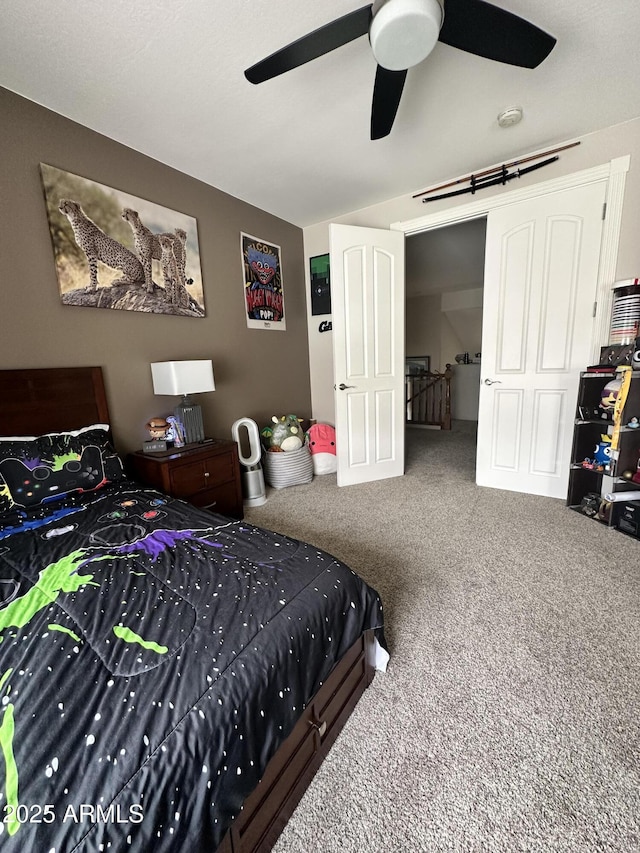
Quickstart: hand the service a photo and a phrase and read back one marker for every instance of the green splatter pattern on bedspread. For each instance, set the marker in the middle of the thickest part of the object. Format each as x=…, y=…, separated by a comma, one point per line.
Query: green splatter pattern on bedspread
x=152, y=659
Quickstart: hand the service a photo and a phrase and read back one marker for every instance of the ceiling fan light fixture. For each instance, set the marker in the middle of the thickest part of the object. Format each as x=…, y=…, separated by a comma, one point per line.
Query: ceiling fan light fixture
x=404, y=32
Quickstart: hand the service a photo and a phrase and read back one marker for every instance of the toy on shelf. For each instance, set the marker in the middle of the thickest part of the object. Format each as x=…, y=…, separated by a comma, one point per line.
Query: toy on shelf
x=608, y=397
x=602, y=455
x=624, y=375
x=286, y=434
x=592, y=464
x=590, y=504
x=322, y=444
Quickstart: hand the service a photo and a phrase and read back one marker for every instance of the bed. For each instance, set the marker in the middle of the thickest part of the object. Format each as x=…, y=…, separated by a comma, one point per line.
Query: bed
x=170, y=679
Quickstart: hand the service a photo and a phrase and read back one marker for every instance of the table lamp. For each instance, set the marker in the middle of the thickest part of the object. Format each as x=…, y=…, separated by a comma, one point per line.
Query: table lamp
x=171, y=378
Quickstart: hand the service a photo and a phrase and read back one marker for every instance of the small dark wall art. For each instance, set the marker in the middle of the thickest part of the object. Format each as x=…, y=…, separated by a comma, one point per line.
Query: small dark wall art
x=115, y=250
x=263, y=290
x=417, y=364
x=320, y=285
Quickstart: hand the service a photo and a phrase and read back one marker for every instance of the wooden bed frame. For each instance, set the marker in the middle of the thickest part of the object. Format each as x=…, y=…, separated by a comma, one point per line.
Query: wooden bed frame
x=37, y=401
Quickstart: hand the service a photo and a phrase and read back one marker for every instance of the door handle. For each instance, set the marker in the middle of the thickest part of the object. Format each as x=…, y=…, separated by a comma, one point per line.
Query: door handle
x=344, y=387
x=493, y=381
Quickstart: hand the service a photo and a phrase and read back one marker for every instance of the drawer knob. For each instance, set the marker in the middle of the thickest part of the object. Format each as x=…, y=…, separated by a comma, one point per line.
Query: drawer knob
x=322, y=727
x=206, y=474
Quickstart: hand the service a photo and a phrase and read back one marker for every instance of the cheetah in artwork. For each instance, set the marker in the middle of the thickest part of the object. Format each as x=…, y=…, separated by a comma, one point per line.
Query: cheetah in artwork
x=98, y=246
x=176, y=292
x=180, y=251
x=147, y=245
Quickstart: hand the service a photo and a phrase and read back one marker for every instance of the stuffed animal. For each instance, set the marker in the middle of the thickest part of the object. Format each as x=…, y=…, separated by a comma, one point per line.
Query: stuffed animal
x=285, y=434
x=602, y=455
x=609, y=395
x=322, y=445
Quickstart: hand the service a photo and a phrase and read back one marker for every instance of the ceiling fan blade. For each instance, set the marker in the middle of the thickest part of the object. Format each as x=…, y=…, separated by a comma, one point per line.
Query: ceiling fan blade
x=387, y=92
x=314, y=44
x=494, y=33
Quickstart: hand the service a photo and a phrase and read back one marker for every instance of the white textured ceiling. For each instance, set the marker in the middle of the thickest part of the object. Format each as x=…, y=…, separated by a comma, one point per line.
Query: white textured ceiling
x=166, y=78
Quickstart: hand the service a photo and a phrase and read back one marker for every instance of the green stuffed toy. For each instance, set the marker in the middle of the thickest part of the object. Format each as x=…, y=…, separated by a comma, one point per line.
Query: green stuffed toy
x=285, y=434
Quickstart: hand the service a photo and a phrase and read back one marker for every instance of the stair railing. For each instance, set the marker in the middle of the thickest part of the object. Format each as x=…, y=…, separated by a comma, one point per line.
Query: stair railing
x=428, y=398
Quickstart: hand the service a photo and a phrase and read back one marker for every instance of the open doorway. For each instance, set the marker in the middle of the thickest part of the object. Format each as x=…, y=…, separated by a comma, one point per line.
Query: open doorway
x=444, y=293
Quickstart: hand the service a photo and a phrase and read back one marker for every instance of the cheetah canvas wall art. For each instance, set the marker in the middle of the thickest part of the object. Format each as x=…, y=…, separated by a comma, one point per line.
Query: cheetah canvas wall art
x=114, y=250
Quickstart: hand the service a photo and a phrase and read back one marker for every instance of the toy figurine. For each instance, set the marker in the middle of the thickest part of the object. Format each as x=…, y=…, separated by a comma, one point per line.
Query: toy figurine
x=176, y=432
x=590, y=504
x=634, y=423
x=608, y=397
x=158, y=429
x=603, y=452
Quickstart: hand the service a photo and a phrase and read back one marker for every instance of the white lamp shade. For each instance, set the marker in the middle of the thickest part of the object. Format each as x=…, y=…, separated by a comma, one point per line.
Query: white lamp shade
x=182, y=377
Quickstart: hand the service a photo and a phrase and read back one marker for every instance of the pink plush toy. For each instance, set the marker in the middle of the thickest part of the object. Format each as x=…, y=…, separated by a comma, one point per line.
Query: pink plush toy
x=322, y=445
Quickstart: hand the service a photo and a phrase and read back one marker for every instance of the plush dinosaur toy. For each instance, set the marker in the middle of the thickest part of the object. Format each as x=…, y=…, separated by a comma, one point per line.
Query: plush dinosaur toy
x=285, y=434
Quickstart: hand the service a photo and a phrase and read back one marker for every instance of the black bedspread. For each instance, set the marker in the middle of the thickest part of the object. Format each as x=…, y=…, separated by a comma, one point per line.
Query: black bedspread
x=152, y=659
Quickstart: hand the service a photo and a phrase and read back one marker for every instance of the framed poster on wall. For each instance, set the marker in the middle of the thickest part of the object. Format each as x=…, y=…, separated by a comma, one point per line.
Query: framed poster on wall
x=320, y=284
x=115, y=250
x=263, y=290
x=417, y=364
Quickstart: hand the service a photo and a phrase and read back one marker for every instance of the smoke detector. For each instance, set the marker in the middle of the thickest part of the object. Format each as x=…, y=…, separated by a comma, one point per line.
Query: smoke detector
x=509, y=117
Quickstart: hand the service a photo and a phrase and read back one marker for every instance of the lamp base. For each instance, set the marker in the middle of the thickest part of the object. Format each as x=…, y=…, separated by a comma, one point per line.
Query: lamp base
x=190, y=416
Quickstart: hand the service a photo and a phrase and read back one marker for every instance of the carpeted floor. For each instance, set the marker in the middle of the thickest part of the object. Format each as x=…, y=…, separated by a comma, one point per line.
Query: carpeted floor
x=508, y=719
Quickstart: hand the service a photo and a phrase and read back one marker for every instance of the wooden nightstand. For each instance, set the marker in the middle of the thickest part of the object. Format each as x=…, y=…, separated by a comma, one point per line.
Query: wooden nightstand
x=206, y=475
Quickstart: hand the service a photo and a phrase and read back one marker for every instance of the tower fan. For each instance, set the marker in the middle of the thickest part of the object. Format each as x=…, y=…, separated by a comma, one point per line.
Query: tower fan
x=253, y=488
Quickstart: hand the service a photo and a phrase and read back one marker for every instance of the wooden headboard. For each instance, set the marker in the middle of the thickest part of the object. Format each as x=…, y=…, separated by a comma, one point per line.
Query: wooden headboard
x=52, y=399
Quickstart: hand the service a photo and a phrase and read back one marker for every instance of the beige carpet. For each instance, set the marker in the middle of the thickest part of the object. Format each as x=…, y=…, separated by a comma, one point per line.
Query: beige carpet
x=508, y=719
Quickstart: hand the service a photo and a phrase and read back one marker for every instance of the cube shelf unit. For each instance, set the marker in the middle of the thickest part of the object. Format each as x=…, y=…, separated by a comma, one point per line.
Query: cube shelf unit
x=586, y=435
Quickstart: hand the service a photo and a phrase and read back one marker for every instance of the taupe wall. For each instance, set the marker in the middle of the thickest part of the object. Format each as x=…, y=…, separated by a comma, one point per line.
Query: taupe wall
x=258, y=372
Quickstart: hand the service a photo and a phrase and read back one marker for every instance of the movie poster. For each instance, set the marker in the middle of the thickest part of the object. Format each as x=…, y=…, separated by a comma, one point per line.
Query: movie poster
x=263, y=293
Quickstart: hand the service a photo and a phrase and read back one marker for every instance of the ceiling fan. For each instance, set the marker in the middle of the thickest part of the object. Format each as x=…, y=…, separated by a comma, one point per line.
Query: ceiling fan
x=404, y=32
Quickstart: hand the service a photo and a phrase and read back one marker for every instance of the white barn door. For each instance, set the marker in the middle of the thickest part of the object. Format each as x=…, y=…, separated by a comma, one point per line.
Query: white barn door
x=367, y=302
x=541, y=272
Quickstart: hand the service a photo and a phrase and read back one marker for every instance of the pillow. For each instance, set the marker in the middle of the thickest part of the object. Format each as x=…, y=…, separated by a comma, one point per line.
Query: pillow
x=74, y=432
x=35, y=471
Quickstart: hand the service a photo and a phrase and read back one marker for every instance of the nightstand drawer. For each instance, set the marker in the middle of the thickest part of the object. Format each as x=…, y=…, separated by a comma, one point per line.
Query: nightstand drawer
x=222, y=499
x=197, y=476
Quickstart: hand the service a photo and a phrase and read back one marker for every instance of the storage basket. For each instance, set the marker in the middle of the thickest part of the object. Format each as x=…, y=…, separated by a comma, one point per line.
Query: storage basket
x=288, y=468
